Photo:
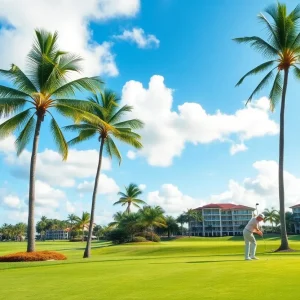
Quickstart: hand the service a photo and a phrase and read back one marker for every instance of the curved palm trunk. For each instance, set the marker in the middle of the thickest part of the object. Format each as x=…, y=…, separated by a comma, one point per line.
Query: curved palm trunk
x=31, y=202
x=128, y=208
x=284, y=239
x=87, y=251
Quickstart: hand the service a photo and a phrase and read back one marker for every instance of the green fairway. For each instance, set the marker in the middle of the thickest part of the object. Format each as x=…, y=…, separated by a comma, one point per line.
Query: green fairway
x=188, y=268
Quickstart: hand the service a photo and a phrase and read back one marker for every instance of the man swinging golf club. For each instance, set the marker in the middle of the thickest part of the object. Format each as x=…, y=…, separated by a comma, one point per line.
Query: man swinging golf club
x=250, y=242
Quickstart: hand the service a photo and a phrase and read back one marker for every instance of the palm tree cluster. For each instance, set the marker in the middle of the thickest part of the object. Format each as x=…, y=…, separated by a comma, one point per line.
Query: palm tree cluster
x=189, y=216
x=281, y=49
x=146, y=223
x=45, y=89
x=13, y=232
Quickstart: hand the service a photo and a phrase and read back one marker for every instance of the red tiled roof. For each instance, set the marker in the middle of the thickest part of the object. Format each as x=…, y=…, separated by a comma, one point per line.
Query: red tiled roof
x=225, y=206
x=294, y=206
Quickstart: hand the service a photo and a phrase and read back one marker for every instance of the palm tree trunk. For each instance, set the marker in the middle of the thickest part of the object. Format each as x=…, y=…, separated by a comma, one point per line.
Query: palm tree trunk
x=182, y=229
x=128, y=208
x=284, y=239
x=87, y=251
x=31, y=202
x=83, y=233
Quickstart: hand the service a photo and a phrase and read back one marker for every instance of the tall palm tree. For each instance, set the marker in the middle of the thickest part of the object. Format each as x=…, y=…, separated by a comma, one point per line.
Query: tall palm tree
x=72, y=220
x=272, y=215
x=130, y=197
x=281, y=48
x=107, y=126
x=35, y=94
x=83, y=222
x=152, y=217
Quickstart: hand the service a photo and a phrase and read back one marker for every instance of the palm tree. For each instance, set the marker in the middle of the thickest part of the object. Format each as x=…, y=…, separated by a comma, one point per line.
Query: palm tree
x=72, y=219
x=152, y=217
x=108, y=124
x=193, y=215
x=272, y=216
x=83, y=222
x=182, y=219
x=131, y=223
x=282, y=50
x=172, y=225
x=130, y=197
x=35, y=94
x=118, y=217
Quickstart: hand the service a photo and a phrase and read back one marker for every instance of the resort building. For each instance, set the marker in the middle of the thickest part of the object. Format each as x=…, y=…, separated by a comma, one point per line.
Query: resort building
x=296, y=217
x=223, y=219
x=57, y=234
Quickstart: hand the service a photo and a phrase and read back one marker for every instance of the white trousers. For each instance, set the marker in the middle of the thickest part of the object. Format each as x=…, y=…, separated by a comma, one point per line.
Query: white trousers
x=250, y=243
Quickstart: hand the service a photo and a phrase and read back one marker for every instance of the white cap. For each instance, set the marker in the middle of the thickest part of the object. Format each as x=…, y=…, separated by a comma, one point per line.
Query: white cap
x=261, y=216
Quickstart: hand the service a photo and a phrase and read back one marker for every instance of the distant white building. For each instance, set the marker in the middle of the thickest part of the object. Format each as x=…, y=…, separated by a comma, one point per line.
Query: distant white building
x=296, y=216
x=57, y=234
x=224, y=219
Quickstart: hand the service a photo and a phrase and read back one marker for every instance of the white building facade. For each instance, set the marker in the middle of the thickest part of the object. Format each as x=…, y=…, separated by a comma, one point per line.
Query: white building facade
x=57, y=235
x=296, y=217
x=224, y=219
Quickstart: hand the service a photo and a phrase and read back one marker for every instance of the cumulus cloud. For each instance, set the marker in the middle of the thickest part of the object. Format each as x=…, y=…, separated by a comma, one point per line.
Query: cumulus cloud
x=262, y=189
x=106, y=186
x=235, y=148
x=71, y=18
x=171, y=199
x=166, y=139
x=138, y=36
x=11, y=201
x=51, y=168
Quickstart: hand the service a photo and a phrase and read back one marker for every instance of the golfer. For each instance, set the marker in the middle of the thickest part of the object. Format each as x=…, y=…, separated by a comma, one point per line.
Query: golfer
x=250, y=242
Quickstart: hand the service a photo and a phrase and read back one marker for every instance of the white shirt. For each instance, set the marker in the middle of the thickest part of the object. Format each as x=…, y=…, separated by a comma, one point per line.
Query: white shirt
x=252, y=225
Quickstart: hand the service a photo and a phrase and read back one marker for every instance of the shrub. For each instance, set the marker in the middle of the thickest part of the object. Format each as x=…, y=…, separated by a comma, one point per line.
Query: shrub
x=118, y=236
x=32, y=256
x=139, y=239
x=150, y=236
x=79, y=239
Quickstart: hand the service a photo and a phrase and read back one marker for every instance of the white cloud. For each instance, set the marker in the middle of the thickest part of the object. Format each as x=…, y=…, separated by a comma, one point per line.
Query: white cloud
x=130, y=154
x=142, y=187
x=71, y=18
x=106, y=186
x=138, y=36
x=11, y=201
x=51, y=169
x=171, y=199
x=235, y=148
x=166, y=139
x=262, y=189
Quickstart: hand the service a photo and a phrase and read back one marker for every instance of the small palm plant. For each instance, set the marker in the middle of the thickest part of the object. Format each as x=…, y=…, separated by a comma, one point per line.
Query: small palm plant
x=130, y=197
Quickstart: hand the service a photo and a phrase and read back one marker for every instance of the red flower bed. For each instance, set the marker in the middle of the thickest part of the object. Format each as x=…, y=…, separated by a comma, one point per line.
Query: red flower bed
x=32, y=256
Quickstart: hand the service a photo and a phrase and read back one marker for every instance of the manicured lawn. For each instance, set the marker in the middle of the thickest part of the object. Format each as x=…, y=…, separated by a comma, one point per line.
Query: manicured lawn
x=189, y=268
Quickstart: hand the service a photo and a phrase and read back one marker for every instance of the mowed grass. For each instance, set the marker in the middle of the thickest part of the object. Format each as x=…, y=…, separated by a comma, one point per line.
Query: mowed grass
x=187, y=268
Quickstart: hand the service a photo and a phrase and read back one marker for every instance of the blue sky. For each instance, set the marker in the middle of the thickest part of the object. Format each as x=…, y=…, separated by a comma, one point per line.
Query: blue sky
x=189, y=51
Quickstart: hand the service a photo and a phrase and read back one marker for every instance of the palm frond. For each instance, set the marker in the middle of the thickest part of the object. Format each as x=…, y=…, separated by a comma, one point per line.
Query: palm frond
x=7, y=92
x=261, y=85
x=25, y=135
x=118, y=115
x=259, y=44
x=19, y=79
x=14, y=123
x=112, y=149
x=257, y=70
x=59, y=138
x=8, y=106
x=132, y=141
x=92, y=84
x=78, y=127
x=84, y=135
x=276, y=90
x=133, y=123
